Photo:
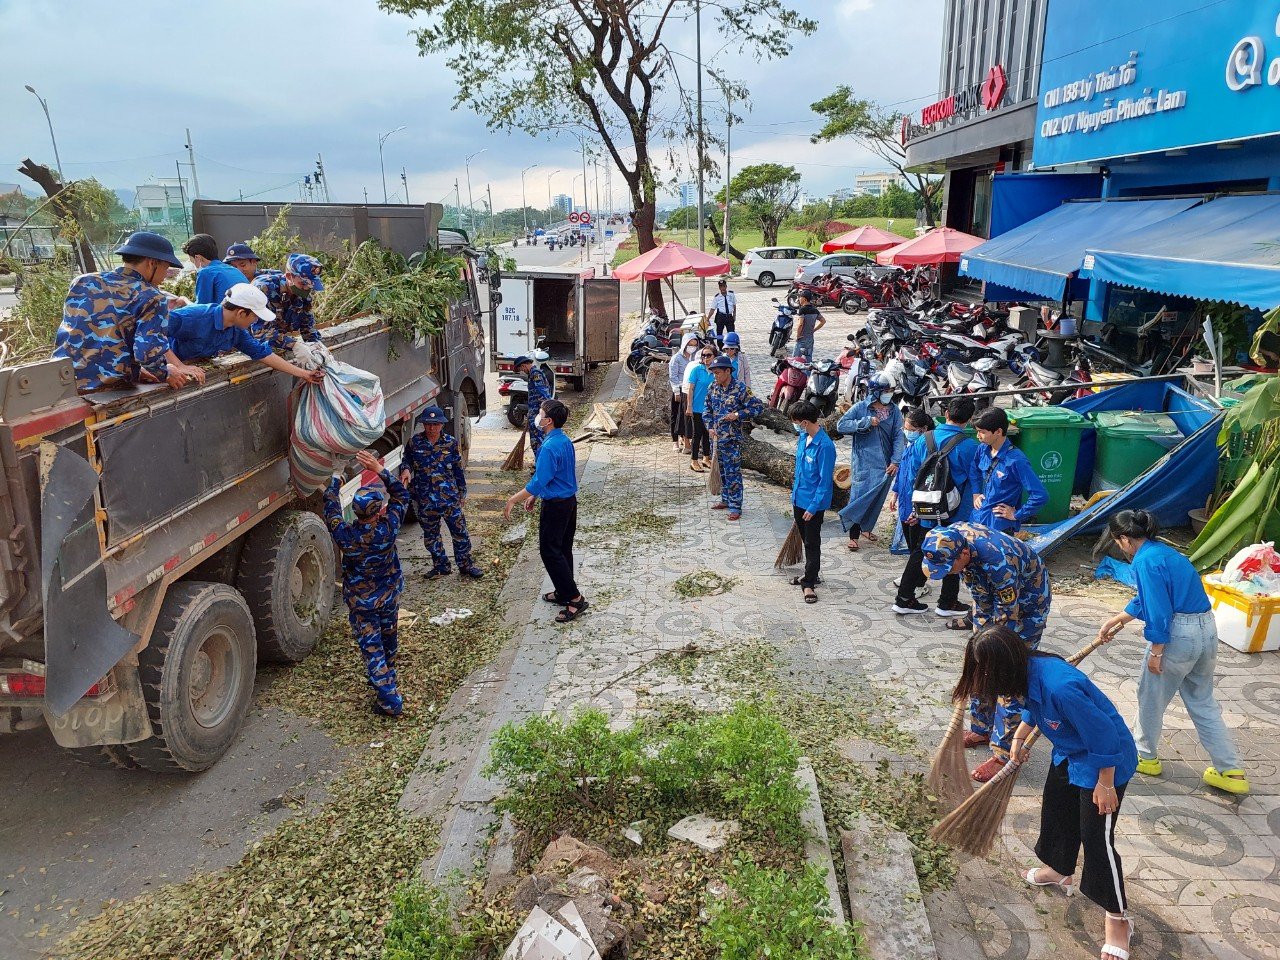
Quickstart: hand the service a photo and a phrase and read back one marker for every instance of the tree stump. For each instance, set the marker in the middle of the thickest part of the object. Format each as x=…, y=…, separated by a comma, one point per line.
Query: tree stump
x=647, y=412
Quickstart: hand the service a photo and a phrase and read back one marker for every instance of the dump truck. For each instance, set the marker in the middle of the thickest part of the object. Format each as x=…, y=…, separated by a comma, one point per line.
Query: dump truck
x=152, y=547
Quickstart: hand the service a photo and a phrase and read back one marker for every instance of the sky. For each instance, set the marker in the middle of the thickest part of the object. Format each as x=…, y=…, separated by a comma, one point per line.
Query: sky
x=267, y=85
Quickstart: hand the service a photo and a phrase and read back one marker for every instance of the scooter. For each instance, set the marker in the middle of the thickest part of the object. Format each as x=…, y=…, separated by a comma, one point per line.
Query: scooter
x=964, y=378
x=780, y=332
x=646, y=352
x=859, y=369
x=822, y=387
x=1061, y=386
x=793, y=374
x=515, y=389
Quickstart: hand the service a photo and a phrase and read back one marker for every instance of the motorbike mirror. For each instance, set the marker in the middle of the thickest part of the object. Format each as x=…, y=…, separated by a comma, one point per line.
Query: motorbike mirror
x=852, y=337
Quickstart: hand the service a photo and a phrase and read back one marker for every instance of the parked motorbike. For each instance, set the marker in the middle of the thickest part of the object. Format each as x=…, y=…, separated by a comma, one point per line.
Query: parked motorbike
x=910, y=379
x=1059, y=386
x=515, y=389
x=793, y=374
x=780, y=332
x=646, y=352
x=826, y=290
x=859, y=368
x=823, y=386
x=963, y=378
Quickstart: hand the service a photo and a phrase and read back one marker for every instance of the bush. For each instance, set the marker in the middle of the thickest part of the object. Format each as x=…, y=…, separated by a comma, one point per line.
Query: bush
x=422, y=927
x=28, y=332
x=778, y=915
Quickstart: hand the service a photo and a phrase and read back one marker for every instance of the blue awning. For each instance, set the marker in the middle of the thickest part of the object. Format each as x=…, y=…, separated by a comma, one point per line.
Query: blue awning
x=1226, y=249
x=1041, y=255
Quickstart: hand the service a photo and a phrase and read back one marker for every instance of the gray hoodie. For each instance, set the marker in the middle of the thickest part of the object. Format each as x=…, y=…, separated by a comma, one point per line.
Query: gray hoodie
x=677, y=364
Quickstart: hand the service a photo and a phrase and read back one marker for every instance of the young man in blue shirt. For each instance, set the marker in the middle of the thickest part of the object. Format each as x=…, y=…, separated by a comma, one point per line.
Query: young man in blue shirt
x=1007, y=477
x=555, y=481
x=811, y=491
x=213, y=277
x=206, y=330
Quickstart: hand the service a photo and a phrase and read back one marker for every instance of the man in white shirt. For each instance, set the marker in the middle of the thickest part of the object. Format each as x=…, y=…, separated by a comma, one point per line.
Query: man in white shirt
x=724, y=309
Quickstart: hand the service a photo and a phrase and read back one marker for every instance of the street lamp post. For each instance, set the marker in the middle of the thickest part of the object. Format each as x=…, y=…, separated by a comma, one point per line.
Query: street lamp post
x=471, y=203
x=381, y=140
x=44, y=105
x=524, y=204
x=550, y=176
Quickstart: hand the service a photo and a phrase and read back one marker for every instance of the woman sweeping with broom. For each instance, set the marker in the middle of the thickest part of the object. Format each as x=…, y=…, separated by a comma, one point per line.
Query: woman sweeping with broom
x=1094, y=757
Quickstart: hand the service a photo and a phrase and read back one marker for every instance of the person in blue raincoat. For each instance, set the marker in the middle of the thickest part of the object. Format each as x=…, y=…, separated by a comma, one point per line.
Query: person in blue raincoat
x=539, y=393
x=875, y=425
x=371, y=577
x=1010, y=586
x=431, y=468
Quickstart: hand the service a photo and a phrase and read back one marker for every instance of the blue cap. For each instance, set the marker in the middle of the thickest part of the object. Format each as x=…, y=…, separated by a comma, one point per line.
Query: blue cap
x=720, y=363
x=241, y=251
x=307, y=267
x=731, y=339
x=941, y=547
x=367, y=501
x=144, y=244
x=521, y=359
x=432, y=414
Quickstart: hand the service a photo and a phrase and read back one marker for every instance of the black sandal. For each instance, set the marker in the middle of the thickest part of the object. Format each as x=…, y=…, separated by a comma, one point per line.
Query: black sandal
x=571, y=610
x=553, y=597
x=799, y=582
x=810, y=595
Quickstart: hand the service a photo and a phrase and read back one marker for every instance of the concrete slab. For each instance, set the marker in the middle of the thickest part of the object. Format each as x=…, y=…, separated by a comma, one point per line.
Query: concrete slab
x=705, y=833
x=884, y=894
x=817, y=842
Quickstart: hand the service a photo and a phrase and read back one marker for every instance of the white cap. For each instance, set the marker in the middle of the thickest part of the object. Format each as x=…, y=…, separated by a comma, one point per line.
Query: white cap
x=249, y=297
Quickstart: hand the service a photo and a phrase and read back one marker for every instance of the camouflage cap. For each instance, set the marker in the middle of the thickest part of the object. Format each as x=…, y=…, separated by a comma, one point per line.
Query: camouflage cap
x=368, y=501
x=942, y=545
x=307, y=267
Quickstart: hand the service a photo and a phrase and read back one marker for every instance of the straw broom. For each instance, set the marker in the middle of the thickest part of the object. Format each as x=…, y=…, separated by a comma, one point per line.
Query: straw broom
x=515, y=459
x=974, y=825
x=949, y=776
x=715, y=484
x=792, y=549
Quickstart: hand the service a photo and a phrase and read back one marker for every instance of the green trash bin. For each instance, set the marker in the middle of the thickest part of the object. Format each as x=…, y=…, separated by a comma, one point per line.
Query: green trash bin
x=1050, y=437
x=1129, y=442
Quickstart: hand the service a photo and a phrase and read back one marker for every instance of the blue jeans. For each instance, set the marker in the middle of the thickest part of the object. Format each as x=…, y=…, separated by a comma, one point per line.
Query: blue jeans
x=803, y=348
x=1187, y=668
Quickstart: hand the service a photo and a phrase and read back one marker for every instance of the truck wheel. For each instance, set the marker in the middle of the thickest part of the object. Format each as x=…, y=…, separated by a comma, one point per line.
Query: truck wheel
x=286, y=577
x=579, y=384
x=114, y=757
x=197, y=678
x=461, y=428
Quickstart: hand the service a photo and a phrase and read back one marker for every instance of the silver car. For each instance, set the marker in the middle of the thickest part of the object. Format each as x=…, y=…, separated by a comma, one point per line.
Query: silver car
x=841, y=264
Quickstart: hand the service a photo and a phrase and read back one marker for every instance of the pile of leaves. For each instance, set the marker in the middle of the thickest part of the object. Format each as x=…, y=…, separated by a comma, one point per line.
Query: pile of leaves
x=412, y=295
x=27, y=332
x=704, y=583
x=274, y=244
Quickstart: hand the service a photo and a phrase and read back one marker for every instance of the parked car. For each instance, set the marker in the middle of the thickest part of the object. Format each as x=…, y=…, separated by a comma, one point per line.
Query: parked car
x=841, y=264
x=767, y=265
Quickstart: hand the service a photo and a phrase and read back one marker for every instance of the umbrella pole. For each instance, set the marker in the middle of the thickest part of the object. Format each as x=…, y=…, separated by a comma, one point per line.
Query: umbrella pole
x=675, y=296
x=644, y=289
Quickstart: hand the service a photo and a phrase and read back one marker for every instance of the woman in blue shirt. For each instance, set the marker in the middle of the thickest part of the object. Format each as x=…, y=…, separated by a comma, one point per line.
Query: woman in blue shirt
x=1183, y=649
x=1093, y=759
x=811, y=491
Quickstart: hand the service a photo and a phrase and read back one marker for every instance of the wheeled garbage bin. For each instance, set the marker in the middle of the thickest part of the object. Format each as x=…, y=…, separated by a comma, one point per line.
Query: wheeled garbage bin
x=1130, y=441
x=1050, y=437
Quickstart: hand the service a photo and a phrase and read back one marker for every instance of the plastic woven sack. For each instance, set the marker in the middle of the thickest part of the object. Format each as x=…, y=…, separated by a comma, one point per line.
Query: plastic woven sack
x=332, y=421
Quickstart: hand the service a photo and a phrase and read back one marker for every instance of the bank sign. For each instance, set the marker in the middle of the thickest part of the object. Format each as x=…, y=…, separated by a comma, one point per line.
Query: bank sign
x=1129, y=78
x=986, y=95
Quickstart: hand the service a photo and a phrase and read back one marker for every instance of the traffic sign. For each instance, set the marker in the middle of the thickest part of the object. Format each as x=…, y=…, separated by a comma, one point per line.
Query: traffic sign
x=586, y=217
x=574, y=218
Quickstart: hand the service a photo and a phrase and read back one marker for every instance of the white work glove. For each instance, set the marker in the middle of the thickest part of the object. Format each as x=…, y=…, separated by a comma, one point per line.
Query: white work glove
x=310, y=356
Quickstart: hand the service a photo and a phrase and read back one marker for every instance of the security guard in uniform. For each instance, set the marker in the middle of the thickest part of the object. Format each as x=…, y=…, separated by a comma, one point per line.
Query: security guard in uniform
x=1010, y=586
x=289, y=295
x=432, y=470
x=729, y=402
x=540, y=391
x=371, y=577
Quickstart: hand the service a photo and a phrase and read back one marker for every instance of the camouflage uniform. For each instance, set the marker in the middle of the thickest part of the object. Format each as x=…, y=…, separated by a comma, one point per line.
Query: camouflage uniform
x=292, y=309
x=438, y=486
x=727, y=434
x=114, y=326
x=1010, y=586
x=371, y=584
x=539, y=392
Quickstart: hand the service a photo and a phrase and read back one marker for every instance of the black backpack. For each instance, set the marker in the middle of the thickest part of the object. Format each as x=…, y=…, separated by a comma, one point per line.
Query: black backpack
x=934, y=495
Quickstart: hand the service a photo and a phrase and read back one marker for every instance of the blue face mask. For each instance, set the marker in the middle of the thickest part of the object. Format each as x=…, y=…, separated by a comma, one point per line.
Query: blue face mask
x=797, y=428
x=911, y=434
x=886, y=397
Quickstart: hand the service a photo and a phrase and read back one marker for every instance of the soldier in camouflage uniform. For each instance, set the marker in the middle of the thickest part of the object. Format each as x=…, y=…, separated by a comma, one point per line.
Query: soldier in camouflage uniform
x=1010, y=586
x=729, y=402
x=539, y=392
x=432, y=470
x=371, y=578
x=289, y=296
x=115, y=324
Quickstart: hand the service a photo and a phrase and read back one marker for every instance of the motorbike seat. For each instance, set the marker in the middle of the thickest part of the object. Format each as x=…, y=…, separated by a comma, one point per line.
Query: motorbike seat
x=1045, y=374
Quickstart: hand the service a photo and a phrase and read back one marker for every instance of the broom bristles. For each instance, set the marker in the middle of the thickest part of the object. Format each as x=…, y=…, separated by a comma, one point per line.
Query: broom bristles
x=792, y=549
x=715, y=483
x=949, y=776
x=515, y=459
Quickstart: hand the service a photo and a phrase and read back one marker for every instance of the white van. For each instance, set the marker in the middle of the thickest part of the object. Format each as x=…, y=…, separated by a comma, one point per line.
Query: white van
x=767, y=265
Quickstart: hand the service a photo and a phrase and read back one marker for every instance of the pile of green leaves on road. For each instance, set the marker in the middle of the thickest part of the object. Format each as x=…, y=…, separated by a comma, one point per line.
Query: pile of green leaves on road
x=703, y=583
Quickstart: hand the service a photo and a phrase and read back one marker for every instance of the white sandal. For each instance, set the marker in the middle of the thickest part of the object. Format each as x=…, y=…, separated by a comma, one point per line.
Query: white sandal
x=1107, y=949
x=1065, y=884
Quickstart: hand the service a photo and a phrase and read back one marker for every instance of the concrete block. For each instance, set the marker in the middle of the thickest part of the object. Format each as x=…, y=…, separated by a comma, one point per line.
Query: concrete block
x=817, y=843
x=884, y=893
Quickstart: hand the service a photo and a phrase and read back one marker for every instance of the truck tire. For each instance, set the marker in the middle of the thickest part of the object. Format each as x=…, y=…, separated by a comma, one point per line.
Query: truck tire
x=197, y=677
x=578, y=383
x=286, y=577
x=113, y=757
x=461, y=428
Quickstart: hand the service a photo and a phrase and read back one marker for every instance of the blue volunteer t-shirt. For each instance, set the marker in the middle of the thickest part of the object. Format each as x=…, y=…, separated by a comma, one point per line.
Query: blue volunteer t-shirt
x=197, y=333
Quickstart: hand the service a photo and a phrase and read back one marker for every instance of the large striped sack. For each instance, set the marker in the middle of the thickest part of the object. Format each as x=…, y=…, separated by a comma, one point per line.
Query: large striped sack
x=332, y=421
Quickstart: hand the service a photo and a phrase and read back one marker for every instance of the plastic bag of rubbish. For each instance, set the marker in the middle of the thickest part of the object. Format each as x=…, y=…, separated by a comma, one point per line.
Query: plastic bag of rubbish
x=1117, y=570
x=333, y=420
x=1258, y=558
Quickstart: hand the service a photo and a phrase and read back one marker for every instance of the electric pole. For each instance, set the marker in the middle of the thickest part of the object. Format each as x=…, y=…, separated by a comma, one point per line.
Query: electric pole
x=728, y=135
x=404, y=178
x=702, y=227
x=489, y=190
x=321, y=178
x=191, y=160
x=366, y=196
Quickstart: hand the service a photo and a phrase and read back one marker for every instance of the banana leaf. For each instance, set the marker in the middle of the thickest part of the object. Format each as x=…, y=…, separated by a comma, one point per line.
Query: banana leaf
x=1270, y=325
x=1242, y=519
x=1260, y=404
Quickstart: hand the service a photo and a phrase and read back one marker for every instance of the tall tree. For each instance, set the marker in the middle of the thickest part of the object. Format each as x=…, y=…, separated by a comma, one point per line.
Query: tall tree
x=768, y=193
x=604, y=66
x=875, y=128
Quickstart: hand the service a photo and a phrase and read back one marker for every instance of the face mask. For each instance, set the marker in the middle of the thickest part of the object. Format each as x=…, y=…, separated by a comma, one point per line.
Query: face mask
x=886, y=397
x=911, y=434
x=797, y=428
x=538, y=420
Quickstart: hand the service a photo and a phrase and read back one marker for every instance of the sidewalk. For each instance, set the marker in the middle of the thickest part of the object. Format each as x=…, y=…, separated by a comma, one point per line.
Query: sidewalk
x=1201, y=867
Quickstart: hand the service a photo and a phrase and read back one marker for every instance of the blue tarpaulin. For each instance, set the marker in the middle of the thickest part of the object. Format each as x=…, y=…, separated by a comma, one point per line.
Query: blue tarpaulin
x=1226, y=249
x=1043, y=254
x=1174, y=485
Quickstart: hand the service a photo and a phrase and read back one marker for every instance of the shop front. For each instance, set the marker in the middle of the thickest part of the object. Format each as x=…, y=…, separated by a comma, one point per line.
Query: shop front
x=1185, y=150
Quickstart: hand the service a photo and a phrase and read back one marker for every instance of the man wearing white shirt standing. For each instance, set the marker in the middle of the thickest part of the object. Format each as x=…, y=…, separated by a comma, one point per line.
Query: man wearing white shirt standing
x=724, y=309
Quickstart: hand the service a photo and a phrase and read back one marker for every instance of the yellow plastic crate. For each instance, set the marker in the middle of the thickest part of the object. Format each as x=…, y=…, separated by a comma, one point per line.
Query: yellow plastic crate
x=1249, y=624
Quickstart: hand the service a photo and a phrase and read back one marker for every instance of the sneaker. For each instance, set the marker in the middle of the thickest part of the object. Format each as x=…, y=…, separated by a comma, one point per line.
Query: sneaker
x=1232, y=781
x=950, y=611
x=473, y=572
x=1150, y=768
x=436, y=573
x=914, y=606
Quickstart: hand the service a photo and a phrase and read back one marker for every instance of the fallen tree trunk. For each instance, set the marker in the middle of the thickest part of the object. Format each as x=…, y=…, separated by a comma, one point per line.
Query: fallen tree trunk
x=779, y=422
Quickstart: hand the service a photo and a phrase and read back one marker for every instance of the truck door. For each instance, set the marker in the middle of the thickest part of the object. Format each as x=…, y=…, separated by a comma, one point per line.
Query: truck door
x=602, y=315
x=513, y=336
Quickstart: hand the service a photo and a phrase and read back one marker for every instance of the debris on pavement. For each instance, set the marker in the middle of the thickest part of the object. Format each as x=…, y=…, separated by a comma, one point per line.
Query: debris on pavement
x=706, y=833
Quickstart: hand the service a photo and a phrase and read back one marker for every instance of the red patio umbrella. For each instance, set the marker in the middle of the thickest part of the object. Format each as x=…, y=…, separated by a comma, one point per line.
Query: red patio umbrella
x=943, y=245
x=665, y=262
x=863, y=238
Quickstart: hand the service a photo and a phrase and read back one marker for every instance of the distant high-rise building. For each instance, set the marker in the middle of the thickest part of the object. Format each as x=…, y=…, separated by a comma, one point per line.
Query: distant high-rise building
x=844, y=193
x=875, y=184
x=563, y=203
x=688, y=194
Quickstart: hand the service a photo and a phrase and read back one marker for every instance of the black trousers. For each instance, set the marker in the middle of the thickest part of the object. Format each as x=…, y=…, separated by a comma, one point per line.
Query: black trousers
x=556, y=527
x=913, y=577
x=811, y=534
x=701, y=446
x=679, y=428
x=724, y=323
x=1069, y=820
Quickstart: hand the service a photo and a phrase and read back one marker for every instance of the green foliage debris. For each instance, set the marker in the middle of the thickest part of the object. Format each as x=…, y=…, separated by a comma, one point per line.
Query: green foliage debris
x=27, y=333
x=703, y=583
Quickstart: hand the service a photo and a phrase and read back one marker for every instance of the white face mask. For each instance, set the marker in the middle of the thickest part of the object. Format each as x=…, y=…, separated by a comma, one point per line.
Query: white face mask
x=538, y=420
